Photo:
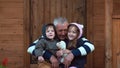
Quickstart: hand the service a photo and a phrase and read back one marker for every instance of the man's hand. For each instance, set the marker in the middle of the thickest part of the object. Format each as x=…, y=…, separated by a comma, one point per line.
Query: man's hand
x=54, y=62
x=68, y=59
x=66, y=51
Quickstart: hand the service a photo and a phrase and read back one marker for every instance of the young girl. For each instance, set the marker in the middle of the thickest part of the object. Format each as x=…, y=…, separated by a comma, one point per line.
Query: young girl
x=75, y=32
x=75, y=45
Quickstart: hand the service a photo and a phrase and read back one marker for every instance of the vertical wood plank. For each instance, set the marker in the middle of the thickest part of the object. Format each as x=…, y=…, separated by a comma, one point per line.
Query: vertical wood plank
x=90, y=27
x=59, y=8
x=34, y=17
x=26, y=32
x=69, y=10
x=41, y=15
x=47, y=11
x=116, y=42
x=74, y=11
x=116, y=10
x=63, y=5
x=108, y=34
x=53, y=10
x=78, y=11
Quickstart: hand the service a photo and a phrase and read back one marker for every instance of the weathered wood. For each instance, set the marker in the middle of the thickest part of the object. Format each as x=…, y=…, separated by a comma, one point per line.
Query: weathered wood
x=11, y=13
x=108, y=34
x=47, y=11
x=27, y=33
x=63, y=8
x=116, y=43
x=116, y=10
x=89, y=33
x=69, y=10
x=52, y=10
x=11, y=4
x=95, y=32
x=59, y=7
x=11, y=32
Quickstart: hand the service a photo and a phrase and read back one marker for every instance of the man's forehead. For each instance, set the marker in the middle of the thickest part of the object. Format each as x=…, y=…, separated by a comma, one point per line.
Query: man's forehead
x=61, y=27
x=62, y=24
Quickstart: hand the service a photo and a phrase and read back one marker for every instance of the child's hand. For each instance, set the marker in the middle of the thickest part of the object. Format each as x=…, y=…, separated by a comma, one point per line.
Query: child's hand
x=59, y=53
x=40, y=59
x=66, y=51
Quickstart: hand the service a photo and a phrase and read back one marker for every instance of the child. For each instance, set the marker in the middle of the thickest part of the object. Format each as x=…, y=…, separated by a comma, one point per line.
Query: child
x=47, y=43
x=75, y=45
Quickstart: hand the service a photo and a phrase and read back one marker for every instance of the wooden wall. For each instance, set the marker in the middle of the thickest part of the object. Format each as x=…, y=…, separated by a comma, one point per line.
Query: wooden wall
x=112, y=34
x=96, y=32
x=20, y=21
x=116, y=43
x=11, y=33
x=116, y=34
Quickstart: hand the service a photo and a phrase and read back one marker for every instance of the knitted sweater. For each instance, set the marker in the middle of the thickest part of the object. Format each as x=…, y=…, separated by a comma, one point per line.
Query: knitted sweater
x=48, y=45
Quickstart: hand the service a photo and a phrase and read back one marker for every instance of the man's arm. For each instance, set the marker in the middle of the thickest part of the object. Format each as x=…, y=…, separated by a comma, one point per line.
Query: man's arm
x=84, y=49
x=31, y=47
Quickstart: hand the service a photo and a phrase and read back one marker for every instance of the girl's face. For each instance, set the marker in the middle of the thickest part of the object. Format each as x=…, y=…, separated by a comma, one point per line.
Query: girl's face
x=72, y=33
x=50, y=33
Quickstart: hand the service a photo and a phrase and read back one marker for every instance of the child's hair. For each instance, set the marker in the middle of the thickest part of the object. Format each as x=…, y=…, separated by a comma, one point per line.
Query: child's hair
x=72, y=43
x=45, y=27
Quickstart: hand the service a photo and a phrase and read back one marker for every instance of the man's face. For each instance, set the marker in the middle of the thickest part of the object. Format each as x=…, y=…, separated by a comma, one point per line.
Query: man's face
x=62, y=30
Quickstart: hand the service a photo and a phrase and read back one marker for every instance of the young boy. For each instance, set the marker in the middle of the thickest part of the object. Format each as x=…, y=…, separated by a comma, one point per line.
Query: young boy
x=48, y=43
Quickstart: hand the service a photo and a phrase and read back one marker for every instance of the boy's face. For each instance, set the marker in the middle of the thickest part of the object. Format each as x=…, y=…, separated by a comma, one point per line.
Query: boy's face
x=72, y=33
x=50, y=33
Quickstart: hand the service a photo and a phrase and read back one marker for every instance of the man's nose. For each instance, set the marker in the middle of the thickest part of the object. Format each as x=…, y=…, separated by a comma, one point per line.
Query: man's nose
x=63, y=32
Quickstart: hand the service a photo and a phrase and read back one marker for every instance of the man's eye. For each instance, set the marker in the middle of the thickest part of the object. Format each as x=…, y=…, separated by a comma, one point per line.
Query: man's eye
x=60, y=30
x=65, y=30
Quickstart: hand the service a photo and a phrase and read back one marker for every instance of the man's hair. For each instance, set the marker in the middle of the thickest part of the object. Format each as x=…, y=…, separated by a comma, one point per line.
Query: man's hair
x=60, y=20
